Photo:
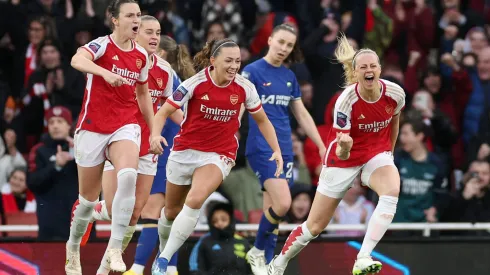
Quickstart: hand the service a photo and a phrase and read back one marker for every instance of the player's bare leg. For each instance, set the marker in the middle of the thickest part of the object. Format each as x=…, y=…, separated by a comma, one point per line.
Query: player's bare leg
x=124, y=156
x=276, y=203
x=89, y=179
x=321, y=213
x=385, y=181
x=143, y=187
x=206, y=179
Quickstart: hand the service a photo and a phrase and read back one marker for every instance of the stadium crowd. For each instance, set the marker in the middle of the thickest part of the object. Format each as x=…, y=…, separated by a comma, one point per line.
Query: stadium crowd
x=437, y=50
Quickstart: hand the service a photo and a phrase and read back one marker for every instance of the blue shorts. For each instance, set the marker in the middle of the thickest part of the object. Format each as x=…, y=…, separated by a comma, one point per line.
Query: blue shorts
x=160, y=180
x=265, y=168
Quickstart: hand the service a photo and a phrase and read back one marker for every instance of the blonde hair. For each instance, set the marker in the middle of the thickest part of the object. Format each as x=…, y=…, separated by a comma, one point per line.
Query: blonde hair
x=346, y=55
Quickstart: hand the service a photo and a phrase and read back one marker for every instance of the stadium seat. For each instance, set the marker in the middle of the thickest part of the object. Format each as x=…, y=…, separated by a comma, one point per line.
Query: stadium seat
x=255, y=215
x=239, y=217
x=21, y=219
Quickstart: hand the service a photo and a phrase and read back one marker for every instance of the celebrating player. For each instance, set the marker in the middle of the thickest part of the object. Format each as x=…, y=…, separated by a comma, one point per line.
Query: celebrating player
x=365, y=129
x=205, y=149
x=179, y=59
x=116, y=66
x=160, y=84
x=277, y=85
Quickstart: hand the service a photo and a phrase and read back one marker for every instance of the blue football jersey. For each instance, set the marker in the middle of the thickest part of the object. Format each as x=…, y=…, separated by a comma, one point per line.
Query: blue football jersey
x=276, y=86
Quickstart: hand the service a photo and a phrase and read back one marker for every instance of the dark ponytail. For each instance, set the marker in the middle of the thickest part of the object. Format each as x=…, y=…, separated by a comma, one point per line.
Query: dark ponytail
x=178, y=56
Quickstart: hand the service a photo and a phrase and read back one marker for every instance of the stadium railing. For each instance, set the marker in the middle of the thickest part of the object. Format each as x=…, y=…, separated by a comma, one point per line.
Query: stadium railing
x=426, y=228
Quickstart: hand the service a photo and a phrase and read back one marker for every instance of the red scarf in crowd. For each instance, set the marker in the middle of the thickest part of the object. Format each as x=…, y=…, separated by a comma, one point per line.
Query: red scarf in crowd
x=10, y=204
x=30, y=62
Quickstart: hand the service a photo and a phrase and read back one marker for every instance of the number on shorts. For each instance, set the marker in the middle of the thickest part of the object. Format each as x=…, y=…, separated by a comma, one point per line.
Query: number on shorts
x=289, y=172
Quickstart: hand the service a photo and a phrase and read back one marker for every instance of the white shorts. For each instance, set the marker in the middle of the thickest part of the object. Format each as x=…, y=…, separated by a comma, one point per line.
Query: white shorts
x=334, y=181
x=91, y=148
x=147, y=165
x=181, y=165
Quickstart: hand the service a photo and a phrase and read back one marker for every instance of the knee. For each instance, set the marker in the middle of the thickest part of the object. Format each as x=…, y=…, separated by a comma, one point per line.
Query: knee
x=172, y=212
x=392, y=190
x=150, y=213
x=281, y=207
x=194, y=201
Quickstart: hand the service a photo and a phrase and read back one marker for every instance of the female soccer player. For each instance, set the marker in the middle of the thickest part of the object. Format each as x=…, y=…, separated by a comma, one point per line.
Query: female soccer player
x=205, y=149
x=116, y=68
x=277, y=86
x=363, y=137
x=179, y=59
x=160, y=84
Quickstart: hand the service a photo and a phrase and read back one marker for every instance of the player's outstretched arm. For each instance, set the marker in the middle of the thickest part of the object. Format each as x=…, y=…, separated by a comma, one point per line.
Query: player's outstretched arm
x=156, y=139
x=145, y=103
x=267, y=130
x=395, y=128
x=308, y=124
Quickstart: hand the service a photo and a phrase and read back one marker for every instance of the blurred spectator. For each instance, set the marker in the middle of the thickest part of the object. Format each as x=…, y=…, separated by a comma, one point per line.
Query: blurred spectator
x=353, y=209
x=472, y=203
x=53, y=176
x=15, y=195
x=453, y=15
x=12, y=158
x=206, y=206
x=379, y=29
x=423, y=192
x=215, y=30
x=300, y=204
x=221, y=251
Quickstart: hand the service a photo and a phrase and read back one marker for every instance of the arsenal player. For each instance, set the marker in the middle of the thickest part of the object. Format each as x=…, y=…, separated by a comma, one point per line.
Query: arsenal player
x=108, y=128
x=205, y=149
x=362, y=140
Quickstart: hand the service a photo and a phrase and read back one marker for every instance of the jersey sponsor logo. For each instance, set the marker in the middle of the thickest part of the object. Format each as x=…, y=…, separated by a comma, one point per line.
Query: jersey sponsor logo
x=129, y=75
x=389, y=109
x=94, y=47
x=267, y=84
x=115, y=58
x=205, y=97
x=276, y=99
x=179, y=93
x=374, y=126
x=233, y=99
x=217, y=114
x=341, y=119
x=160, y=82
x=414, y=186
x=155, y=94
x=139, y=63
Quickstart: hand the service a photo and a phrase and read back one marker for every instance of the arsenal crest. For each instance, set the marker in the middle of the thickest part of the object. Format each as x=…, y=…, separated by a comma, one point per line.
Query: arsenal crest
x=389, y=109
x=234, y=99
x=160, y=82
x=57, y=111
x=139, y=63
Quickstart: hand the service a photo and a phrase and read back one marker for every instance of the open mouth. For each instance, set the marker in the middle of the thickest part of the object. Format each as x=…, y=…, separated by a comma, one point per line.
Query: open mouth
x=153, y=44
x=369, y=79
x=231, y=73
x=281, y=55
x=135, y=29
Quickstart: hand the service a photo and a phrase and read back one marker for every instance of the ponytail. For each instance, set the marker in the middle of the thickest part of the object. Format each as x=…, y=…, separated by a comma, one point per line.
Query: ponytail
x=346, y=55
x=178, y=56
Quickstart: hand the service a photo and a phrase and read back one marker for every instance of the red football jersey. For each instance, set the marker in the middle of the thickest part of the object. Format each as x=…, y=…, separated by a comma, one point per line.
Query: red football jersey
x=211, y=112
x=105, y=108
x=368, y=123
x=160, y=83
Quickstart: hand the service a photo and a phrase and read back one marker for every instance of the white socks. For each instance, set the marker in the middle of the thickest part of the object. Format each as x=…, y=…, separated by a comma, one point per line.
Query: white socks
x=81, y=218
x=122, y=206
x=379, y=223
x=100, y=212
x=297, y=240
x=164, y=227
x=182, y=228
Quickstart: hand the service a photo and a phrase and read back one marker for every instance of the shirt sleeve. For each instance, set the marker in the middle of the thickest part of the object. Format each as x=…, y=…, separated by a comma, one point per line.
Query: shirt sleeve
x=97, y=47
x=342, y=114
x=295, y=90
x=400, y=104
x=144, y=71
x=170, y=84
x=183, y=93
x=252, y=99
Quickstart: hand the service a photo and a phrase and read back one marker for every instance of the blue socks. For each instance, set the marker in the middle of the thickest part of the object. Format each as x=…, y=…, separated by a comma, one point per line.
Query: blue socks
x=267, y=234
x=147, y=242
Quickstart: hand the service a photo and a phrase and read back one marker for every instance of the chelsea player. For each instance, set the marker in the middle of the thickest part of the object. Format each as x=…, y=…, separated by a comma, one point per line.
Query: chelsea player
x=278, y=88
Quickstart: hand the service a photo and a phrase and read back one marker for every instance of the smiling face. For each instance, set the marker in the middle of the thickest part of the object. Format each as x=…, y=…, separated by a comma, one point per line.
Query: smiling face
x=128, y=20
x=227, y=62
x=367, y=70
x=149, y=35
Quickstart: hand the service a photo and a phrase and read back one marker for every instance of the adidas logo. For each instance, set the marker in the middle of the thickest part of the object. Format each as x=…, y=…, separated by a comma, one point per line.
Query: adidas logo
x=205, y=97
x=115, y=58
x=361, y=117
